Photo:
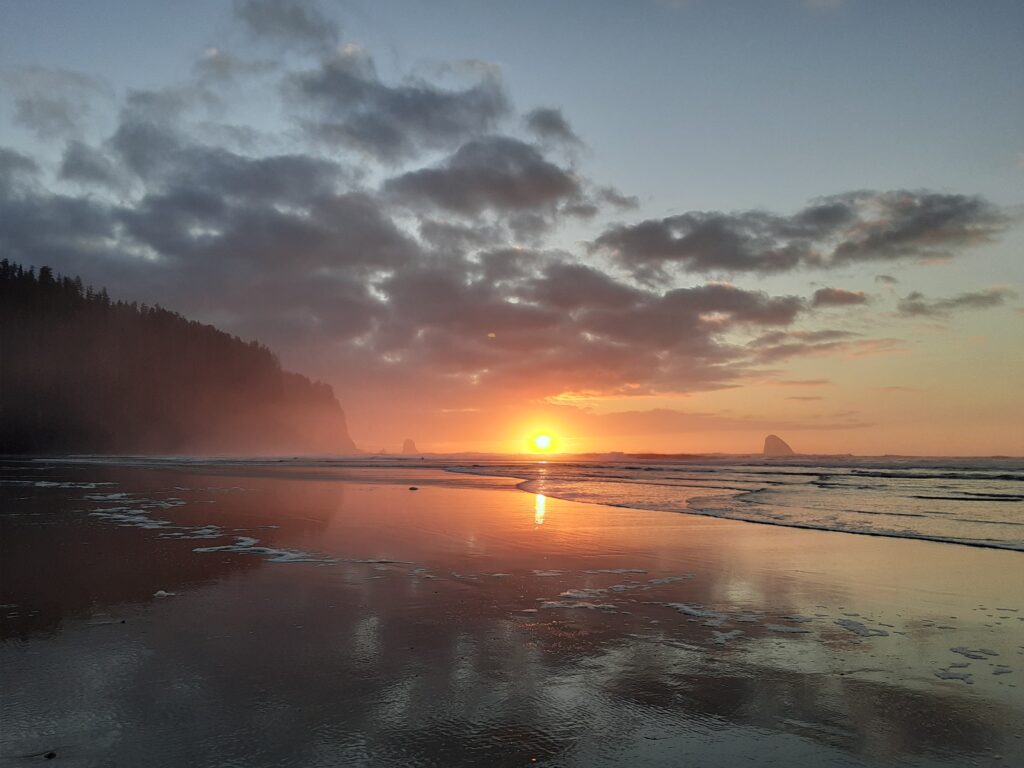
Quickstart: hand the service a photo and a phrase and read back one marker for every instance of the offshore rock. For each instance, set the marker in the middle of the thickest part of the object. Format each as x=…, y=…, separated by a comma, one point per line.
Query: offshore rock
x=776, y=446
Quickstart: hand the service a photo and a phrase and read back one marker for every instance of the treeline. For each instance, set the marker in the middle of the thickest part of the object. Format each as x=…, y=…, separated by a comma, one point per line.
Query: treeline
x=80, y=373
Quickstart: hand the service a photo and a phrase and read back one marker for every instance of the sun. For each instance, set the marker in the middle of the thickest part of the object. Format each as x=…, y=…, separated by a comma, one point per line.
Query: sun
x=542, y=442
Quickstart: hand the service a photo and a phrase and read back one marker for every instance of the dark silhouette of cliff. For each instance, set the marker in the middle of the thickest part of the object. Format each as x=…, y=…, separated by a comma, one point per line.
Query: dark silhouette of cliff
x=80, y=373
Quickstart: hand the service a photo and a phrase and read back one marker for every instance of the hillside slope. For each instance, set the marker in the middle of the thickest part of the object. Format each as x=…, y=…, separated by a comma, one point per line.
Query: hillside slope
x=80, y=373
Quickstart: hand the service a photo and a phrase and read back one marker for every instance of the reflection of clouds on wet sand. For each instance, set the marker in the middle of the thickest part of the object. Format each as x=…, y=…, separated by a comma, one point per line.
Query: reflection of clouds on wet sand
x=447, y=627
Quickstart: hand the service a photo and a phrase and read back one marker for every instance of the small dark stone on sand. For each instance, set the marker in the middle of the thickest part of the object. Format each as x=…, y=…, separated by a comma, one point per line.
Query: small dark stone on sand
x=413, y=488
x=50, y=755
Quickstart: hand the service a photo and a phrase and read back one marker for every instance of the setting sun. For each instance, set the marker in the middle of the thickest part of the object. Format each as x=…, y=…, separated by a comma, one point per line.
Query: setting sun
x=542, y=443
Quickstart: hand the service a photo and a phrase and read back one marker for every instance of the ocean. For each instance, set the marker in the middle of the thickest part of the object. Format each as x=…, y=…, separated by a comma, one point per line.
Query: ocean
x=975, y=501
x=972, y=501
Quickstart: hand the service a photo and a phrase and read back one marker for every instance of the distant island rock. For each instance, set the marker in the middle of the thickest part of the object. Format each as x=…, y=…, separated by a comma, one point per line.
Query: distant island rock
x=776, y=446
x=83, y=373
x=409, y=446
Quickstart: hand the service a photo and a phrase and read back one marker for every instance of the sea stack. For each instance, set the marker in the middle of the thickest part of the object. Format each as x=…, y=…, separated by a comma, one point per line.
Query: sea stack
x=776, y=446
x=409, y=446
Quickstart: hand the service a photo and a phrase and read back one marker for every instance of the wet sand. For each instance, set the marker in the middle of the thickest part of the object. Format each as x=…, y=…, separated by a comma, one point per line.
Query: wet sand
x=251, y=616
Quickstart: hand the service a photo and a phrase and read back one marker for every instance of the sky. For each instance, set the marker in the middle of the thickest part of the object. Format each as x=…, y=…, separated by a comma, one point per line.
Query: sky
x=671, y=226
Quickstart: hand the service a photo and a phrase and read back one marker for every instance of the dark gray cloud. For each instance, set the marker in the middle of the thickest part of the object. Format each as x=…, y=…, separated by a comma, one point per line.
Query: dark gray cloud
x=572, y=286
x=438, y=281
x=15, y=166
x=917, y=305
x=550, y=125
x=616, y=199
x=347, y=105
x=290, y=249
x=291, y=23
x=87, y=165
x=783, y=345
x=52, y=103
x=493, y=172
x=837, y=297
x=38, y=228
x=834, y=231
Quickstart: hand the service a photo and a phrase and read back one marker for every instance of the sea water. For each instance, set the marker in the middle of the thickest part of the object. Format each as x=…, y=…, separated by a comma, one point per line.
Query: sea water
x=977, y=501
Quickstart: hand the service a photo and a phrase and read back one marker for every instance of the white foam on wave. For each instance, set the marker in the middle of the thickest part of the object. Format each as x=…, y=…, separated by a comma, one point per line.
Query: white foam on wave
x=670, y=579
x=859, y=628
x=571, y=604
x=714, y=618
x=971, y=653
x=948, y=674
x=785, y=628
x=721, y=638
x=54, y=484
x=204, y=532
x=247, y=545
x=583, y=594
x=129, y=517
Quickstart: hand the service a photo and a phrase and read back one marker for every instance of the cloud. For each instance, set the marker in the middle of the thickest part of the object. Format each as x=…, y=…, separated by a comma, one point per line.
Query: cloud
x=549, y=124
x=494, y=172
x=917, y=305
x=399, y=245
x=59, y=230
x=347, y=105
x=616, y=199
x=782, y=345
x=833, y=232
x=886, y=280
x=837, y=297
x=86, y=165
x=52, y=103
x=14, y=166
x=290, y=23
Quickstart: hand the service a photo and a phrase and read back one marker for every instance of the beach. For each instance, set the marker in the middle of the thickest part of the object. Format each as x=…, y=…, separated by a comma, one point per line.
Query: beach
x=253, y=614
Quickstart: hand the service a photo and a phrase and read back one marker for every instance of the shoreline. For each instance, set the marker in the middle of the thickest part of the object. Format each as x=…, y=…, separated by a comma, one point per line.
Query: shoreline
x=315, y=467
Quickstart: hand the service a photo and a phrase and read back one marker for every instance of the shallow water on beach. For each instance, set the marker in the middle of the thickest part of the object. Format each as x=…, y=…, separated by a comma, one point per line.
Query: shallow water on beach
x=265, y=615
x=967, y=501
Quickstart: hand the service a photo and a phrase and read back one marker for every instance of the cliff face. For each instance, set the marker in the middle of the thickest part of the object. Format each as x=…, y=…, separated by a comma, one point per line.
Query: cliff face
x=776, y=446
x=80, y=373
x=409, y=447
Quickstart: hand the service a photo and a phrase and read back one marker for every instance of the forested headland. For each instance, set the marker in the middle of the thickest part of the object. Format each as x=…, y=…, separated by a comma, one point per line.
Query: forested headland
x=80, y=373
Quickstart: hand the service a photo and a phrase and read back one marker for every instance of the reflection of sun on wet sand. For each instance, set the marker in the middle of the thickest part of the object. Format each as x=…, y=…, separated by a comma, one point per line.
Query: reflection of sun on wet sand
x=336, y=613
